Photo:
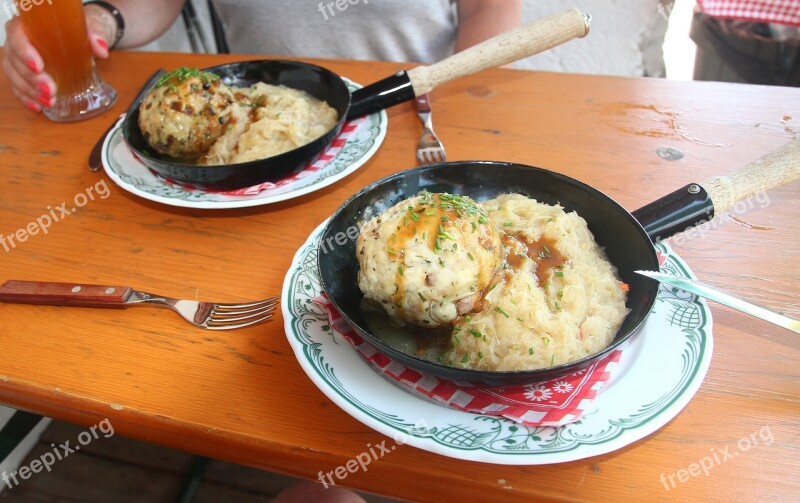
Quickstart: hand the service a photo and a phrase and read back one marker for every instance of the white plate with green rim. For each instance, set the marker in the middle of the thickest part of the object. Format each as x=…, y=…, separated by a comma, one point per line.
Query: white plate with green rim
x=132, y=175
x=661, y=369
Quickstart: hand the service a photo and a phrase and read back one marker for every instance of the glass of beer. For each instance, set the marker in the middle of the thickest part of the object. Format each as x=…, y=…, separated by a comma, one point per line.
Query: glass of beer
x=57, y=28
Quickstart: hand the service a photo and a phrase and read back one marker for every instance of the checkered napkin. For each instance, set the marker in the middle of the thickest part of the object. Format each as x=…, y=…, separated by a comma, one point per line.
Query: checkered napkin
x=348, y=131
x=763, y=11
x=549, y=403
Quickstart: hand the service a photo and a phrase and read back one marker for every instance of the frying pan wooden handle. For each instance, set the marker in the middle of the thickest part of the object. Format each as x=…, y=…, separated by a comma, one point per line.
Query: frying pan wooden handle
x=521, y=42
x=777, y=168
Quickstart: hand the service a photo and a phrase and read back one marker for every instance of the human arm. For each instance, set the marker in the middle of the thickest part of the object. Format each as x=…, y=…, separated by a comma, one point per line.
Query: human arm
x=144, y=20
x=479, y=20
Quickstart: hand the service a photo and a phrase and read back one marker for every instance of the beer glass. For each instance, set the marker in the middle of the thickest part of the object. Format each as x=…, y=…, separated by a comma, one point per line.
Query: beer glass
x=57, y=28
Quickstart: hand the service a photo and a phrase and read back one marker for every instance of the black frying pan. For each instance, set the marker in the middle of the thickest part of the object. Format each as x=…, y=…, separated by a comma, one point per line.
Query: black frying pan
x=626, y=237
x=327, y=86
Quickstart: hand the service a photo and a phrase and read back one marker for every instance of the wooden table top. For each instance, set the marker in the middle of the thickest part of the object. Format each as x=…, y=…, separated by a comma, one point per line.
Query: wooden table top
x=242, y=396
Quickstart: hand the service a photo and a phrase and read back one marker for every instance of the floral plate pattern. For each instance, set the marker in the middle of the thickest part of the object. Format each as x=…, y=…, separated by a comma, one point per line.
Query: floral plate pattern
x=132, y=175
x=661, y=369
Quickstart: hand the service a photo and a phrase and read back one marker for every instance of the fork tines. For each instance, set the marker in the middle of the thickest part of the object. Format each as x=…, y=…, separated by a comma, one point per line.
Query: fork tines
x=231, y=316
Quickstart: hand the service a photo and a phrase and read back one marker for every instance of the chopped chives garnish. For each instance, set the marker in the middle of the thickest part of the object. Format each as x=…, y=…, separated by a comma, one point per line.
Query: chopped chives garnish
x=530, y=351
x=465, y=359
x=469, y=254
x=421, y=296
x=507, y=224
x=559, y=273
x=400, y=270
x=415, y=217
x=500, y=310
x=475, y=333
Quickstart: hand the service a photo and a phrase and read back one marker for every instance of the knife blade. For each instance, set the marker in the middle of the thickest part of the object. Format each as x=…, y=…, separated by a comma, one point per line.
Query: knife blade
x=721, y=297
x=95, y=159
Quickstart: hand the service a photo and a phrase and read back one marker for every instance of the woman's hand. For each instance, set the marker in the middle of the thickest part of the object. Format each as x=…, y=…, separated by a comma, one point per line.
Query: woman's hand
x=24, y=67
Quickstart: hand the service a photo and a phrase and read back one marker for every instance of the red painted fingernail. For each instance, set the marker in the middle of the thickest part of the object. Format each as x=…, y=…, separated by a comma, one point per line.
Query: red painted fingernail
x=46, y=101
x=102, y=43
x=44, y=90
x=32, y=65
x=33, y=106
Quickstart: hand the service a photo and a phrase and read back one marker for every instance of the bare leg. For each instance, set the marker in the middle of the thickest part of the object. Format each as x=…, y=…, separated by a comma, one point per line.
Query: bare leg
x=311, y=491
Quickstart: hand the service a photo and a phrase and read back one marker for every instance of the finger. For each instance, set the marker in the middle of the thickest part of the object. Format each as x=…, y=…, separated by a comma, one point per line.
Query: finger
x=39, y=87
x=99, y=45
x=47, y=89
x=20, y=77
x=18, y=44
x=30, y=104
x=98, y=35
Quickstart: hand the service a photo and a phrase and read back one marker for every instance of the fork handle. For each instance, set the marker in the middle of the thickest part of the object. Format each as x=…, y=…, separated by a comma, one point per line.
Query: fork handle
x=64, y=294
x=423, y=104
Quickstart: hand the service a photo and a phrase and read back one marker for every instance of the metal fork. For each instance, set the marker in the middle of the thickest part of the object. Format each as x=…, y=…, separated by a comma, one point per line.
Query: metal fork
x=429, y=148
x=208, y=315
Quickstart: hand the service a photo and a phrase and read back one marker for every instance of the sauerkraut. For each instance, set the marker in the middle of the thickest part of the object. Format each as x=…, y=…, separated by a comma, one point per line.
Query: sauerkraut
x=281, y=119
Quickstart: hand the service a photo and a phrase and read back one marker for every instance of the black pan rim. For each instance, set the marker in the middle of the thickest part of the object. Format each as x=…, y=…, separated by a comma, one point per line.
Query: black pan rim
x=472, y=375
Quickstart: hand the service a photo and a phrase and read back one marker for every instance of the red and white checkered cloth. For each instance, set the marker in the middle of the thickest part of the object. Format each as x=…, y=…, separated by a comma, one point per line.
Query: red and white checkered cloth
x=348, y=131
x=550, y=403
x=762, y=11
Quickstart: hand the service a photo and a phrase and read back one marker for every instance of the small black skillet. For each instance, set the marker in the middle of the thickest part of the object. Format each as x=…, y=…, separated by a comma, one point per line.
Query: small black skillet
x=626, y=237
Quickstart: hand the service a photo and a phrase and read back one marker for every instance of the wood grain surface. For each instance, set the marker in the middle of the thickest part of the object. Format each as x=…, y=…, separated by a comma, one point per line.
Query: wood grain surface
x=241, y=396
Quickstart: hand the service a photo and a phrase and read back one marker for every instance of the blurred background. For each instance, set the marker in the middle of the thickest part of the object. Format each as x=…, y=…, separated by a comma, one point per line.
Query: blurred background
x=646, y=38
